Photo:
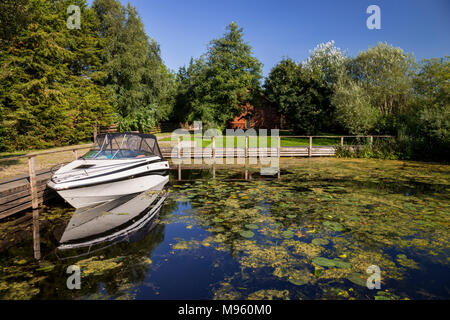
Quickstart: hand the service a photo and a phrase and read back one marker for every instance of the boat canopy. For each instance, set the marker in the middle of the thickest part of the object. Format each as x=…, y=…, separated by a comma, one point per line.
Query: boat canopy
x=124, y=146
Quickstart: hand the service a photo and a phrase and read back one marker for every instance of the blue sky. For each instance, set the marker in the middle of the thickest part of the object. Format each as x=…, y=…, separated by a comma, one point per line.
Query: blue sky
x=280, y=28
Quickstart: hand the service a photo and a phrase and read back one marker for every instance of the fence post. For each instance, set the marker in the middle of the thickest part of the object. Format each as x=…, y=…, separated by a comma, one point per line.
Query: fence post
x=75, y=154
x=34, y=206
x=33, y=190
x=95, y=133
x=371, y=142
x=279, y=148
x=342, y=141
x=246, y=146
x=310, y=147
x=213, y=147
x=178, y=147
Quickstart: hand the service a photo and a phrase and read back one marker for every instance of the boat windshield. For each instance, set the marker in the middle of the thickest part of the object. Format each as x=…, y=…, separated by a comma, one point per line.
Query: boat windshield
x=124, y=146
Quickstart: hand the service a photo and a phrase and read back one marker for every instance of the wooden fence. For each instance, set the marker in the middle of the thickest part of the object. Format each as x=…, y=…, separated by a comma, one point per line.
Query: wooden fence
x=180, y=151
x=28, y=191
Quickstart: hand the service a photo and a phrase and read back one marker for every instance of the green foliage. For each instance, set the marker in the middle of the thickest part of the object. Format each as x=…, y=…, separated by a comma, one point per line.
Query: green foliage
x=329, y=61
x=214, y=87
x=141, y=86
x=425, y=129
x=353, y=109
x=385, y=73
x=374, y=90
x=432, y=89
x=48, y=85
x=57, y=84
x=299, y=94
x=382, y=148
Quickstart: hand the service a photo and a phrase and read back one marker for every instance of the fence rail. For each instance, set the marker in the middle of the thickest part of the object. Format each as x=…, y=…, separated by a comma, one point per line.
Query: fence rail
x=180, y=151
x=30, y=191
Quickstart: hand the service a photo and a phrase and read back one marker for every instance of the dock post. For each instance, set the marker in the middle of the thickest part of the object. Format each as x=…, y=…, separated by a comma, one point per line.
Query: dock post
x=279, y=148
x=35, y=207
x=246, y=146
x=213, y=147
x=310, y=147
x=95, y=133
x=33, y=190
x=178, y=148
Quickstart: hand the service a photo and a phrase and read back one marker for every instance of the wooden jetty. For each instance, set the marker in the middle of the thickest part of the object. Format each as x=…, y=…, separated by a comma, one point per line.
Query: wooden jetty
x=29, y=191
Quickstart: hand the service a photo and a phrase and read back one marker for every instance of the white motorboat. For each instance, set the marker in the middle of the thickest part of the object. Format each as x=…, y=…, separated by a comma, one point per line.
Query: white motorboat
x=119, y=164
x=125, y=218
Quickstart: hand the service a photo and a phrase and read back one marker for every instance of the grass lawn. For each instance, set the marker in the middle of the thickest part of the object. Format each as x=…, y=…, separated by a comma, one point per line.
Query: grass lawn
x=11, y=168
x=239, y=142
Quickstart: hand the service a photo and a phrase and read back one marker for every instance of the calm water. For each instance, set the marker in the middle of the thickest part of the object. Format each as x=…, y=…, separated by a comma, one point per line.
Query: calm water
x=309, y=235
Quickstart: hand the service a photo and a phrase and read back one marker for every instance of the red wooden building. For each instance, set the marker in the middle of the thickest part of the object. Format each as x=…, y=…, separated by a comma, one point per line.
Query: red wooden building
x=260, y=116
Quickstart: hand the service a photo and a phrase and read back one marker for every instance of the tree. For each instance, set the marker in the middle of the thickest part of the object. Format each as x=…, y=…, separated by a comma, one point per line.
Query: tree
x=214, y=87
x=353, y=109
x=329, y=61
x=299, y=94
x=428, y=120
x=375, y=90
x=48, y=85
x=386, y=74
x=141, y=86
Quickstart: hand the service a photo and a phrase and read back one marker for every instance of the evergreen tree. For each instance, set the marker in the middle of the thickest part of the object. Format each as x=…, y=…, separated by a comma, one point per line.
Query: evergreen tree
x=299, y=94
x=48, y=83
x=141, y=85
x=214, y=87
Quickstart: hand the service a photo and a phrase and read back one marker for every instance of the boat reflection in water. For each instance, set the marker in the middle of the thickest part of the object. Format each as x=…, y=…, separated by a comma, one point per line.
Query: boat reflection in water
x=128, y=218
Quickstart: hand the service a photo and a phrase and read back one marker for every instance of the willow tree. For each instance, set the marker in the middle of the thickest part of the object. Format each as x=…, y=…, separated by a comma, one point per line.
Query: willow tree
x=386, y=74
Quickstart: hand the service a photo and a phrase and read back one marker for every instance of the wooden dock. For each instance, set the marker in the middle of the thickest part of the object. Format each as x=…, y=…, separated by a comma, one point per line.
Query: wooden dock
x=29, y=191
x=15, y=193
x=197, y=152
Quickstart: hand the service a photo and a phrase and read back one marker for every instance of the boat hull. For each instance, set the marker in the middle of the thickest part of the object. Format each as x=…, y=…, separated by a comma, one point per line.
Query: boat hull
x=91, y=195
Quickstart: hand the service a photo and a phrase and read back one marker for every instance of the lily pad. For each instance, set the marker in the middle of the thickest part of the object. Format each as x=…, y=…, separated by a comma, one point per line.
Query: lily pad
x=324, y=262
x=45, y=266
x=298, y=282
x=335, y=226
x=247, y=234
x=341, y=264
x=217, y=219
x=320, y=241
x=251, y=226
x=357, y=278
x=291, y=216
x=382, y=298
x=287, y=234
x=329, y=263
x=384, y=295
